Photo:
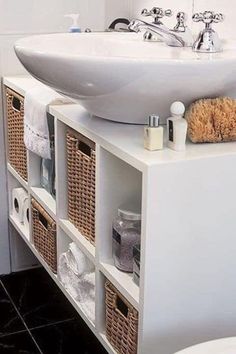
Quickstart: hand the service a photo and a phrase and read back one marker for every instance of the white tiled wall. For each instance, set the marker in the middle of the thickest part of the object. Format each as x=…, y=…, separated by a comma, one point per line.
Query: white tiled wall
x=115, y=9
x=227, y=7
x=183, y=5
x=27, y=17
x=33, y=16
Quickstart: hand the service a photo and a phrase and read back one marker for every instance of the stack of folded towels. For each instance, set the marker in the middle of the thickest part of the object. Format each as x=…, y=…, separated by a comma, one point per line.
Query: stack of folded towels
x=77, y=274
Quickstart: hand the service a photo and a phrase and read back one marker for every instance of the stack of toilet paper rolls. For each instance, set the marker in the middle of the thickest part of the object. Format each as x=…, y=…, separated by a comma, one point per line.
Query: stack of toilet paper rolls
x=20, y=206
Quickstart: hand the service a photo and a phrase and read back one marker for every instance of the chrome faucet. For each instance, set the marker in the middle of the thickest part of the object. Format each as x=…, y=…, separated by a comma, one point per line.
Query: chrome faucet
x=180, y=36
x=208, y=40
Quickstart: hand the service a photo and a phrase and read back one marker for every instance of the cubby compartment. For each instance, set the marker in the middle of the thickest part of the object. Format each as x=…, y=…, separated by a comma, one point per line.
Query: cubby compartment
x=17, y=155
x=19, y=205
x=121, y=321
x=21, y=255
x=62, y=197
x=36, y=189
x=81, y=167
x=118, y=184
x=42, y=178
x=44, y=235
x=76, y=273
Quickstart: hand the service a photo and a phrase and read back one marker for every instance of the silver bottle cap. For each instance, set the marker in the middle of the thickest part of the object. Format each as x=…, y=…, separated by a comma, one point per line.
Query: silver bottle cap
x=154, y=120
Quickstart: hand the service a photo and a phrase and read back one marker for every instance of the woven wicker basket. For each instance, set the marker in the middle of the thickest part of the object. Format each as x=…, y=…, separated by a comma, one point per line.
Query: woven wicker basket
x=44, y=235
x=81, y=164
x=17, y=156
x=121, y=322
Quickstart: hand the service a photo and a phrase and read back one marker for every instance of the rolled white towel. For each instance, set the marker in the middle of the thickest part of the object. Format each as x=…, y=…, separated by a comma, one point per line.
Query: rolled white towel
x=78, y=262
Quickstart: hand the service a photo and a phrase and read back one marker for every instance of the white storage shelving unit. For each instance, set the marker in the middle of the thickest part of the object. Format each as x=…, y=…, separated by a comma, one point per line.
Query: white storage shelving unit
x=188, y=243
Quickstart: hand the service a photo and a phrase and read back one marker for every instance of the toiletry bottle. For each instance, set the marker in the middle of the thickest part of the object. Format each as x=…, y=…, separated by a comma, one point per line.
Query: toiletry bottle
x=177, y=127
x=74, y=28
x=126, y=233
x=153, y=134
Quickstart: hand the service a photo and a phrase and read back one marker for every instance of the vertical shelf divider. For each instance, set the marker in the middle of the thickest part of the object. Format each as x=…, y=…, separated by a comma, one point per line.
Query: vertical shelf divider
x=100, y=307
x=61, y=169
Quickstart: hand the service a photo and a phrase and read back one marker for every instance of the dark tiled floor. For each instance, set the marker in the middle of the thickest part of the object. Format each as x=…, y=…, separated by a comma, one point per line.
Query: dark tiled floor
x=10, y=321
x=35, y=317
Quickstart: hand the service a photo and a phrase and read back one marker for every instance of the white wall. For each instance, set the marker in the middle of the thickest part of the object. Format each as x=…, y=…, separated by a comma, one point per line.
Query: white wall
x=227, y=7
x=29, y=17
x=115, y=9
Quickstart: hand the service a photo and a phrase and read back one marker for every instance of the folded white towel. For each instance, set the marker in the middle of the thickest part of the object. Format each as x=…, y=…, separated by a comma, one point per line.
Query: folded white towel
x=86, y=297
x=36, y=134
x=78, y=262
x=88, y=308
x=86, y=288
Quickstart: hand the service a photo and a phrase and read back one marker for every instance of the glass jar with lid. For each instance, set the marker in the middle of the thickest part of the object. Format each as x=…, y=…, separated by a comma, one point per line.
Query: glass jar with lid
x=136, y=263
x=125, y=235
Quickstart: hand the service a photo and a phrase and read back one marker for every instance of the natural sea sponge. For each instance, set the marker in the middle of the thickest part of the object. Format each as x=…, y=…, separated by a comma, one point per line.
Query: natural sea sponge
x=212, y=120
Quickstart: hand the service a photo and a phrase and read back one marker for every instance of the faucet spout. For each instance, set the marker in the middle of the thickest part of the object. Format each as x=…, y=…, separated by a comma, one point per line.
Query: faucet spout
x=158, y=31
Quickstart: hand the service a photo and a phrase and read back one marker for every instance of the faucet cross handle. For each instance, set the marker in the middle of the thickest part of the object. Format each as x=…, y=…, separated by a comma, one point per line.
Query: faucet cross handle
x=157, y=13
x=208, y=17
x=208, y=40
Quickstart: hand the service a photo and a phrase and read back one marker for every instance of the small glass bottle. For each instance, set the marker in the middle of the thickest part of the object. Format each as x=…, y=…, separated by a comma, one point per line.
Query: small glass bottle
x=153, y=134
x=126, y=234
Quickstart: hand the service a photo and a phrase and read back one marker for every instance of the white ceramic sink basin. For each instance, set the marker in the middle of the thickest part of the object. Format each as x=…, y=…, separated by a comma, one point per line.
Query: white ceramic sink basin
x=119, y=77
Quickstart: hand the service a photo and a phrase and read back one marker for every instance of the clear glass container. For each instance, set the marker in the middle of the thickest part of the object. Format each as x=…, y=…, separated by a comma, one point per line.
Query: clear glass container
x=136, y=264
x=46, y=174
x=47, y=170
x=125, y=235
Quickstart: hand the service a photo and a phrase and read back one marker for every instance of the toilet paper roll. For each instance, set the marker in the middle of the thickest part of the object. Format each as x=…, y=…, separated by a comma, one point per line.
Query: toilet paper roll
x=26, y=207
x=19, y=195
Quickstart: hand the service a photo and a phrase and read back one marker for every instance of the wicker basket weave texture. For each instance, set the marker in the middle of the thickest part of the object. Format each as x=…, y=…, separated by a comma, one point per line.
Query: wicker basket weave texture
x=121, y=329
x=44, y=235
x=81, y=165
x=17, y=155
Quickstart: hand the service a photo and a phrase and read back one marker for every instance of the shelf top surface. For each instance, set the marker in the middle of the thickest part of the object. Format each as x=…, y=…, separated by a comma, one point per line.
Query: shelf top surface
x=21, y=84
x=127, y=140
x=124, y=140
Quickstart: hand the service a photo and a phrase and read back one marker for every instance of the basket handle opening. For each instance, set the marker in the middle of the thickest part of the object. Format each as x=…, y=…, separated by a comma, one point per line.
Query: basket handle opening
x=84, y=148
x=43, y=220
x=16, y=205
x=122, y=307
x=16, y=104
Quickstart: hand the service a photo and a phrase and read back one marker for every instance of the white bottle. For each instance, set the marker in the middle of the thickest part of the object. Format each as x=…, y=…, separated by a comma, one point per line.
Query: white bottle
x=177, y=127
x=74, y=28
x=153, y=134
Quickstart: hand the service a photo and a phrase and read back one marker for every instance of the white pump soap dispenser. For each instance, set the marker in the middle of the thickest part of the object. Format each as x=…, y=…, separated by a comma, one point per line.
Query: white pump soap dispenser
x=74, y=28
x=177, y=127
